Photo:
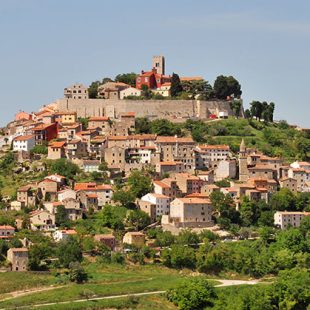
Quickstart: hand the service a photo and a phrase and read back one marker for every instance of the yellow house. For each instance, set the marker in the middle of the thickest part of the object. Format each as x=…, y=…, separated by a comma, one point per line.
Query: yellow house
x=67, y=118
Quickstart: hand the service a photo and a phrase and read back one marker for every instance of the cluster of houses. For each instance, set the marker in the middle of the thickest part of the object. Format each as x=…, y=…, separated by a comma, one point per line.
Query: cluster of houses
x=186, y=172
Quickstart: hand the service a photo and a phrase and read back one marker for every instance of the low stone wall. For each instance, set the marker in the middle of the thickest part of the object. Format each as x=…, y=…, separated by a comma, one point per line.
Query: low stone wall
x=168, y=109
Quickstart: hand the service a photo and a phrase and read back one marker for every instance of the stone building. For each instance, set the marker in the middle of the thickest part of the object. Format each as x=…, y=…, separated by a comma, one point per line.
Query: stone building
x=243, y=165
x=18, y=257
x=189, y=212
x=76, y=91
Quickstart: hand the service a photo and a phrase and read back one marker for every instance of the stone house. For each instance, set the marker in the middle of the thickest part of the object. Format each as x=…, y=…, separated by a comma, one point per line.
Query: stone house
x=134, y=238
x=104, y=193
x=76, y=91
x=164, y=167
x=56, y=150
x=289, y=183
x=49, y=189
x=27, y=195
x=189, y=212
x=42, y=220
x=6, y=231
x=18, y=257
x=106, y=239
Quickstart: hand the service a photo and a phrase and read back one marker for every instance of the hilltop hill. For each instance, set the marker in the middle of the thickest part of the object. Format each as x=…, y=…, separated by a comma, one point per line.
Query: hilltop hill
x=273, y=139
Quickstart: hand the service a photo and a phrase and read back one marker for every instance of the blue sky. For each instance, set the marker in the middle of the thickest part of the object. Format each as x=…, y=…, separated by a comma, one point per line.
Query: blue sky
x=46, y=45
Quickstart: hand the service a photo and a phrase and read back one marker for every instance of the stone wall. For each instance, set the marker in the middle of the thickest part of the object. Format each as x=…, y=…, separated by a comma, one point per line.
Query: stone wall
x=169, y=109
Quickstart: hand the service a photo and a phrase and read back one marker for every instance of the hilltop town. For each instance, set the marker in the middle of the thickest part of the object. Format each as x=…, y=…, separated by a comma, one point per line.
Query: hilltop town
x=131, y=172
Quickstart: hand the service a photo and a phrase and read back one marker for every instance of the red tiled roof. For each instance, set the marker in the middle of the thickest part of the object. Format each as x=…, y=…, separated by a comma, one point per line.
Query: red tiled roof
x=57, y=144
x=24, y=138
x=172, y=139
x=99, y=118
x=91, y=186
x=7, y=227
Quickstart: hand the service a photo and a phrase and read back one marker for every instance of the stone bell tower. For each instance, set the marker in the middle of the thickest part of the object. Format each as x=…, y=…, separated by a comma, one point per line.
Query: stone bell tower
x=243, y=164
x=158, y=62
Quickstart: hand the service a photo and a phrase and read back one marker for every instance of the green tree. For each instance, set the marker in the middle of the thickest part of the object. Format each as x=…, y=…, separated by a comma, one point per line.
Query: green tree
x=125, y=198
x=236, y=107
x=176, y=87
x=69, y=251
x=127, y=78
x=140, y=183
x=198, y=89
x=93, y=90
x=283, y=200
x=179, y=256
x=164, y=127
x=112, y=216
x=37, y=253
x=77, y=273
x=193, y=294
x=225, y=86
x=61, y=218
x=146, y=93
x=143, y=125
x=39, y=149
x=137, y=219
x=64, y=167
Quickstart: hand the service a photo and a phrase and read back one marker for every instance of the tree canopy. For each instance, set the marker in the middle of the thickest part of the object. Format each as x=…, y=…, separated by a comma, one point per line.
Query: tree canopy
x=225, y=86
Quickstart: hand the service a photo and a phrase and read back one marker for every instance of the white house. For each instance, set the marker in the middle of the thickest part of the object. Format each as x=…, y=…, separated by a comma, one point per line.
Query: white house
x=91, y=165
x=163, y=90
x=60, y=235
x=24, y=143
x=66, y=194
x=131, y=91
x=285, y=219
x=162, y=202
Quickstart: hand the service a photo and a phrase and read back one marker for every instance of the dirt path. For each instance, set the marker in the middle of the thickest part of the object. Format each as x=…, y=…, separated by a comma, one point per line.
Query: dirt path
x=21, y=293
x=27, y=292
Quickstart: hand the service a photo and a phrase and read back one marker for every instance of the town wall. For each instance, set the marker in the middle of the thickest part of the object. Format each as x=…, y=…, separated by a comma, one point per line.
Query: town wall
x=153, y=109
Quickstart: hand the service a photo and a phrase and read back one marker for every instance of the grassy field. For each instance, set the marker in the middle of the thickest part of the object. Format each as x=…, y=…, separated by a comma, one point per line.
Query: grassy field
x=106, y=280
x=15, y=281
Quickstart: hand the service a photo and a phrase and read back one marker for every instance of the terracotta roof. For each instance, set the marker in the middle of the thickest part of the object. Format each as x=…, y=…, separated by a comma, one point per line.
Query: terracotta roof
x=24, y=138
x=57, y=144
x=65, y=113
x=43, y=127
x=293, y=212
x=159, y=195
x=135, y=233
x=128, y=114
x=7, y=227
x=172, y=139
x=99, y=118
x=215, y=147
x=168, y=163
x=190, y=78
x=19, y=249
x=69, y=231
x=194, y=200
x=198, y=195
x=104, y=236
x=161, y=184
x=91, y=187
